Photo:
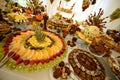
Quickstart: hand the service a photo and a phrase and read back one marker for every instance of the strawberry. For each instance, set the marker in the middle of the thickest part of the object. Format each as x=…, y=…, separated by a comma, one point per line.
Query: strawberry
x=47, y=60
x=39, y=17
x=31, y=62
x=18, y=61
x=26, y=62
x=15, y=57
x=11, y=54
x=42, y=61
x=52, y=58
x=37, y=61
x=5, y=48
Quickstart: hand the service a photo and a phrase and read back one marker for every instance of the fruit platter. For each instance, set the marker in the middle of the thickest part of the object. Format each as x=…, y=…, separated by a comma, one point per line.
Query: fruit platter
x=25, y=48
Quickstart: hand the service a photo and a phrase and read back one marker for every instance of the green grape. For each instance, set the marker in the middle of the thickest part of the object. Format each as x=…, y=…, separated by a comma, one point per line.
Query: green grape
x=26, y=69
x=12, y=67
x=19, y=67
x=39, y=67
x=34, y=68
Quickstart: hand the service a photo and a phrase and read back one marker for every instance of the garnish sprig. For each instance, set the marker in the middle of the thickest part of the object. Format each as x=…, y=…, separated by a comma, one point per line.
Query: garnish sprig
x=96, y=19
x=40, y=36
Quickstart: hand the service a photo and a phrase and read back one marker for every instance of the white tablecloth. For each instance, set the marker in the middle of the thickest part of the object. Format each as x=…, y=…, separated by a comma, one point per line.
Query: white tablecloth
x=6, y=74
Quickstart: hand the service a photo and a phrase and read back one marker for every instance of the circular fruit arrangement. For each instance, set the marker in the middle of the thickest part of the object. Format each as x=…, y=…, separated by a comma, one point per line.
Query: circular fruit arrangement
x=31, y=54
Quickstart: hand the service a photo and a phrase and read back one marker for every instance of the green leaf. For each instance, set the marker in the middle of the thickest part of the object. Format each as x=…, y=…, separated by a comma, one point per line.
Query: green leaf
x=40, y=36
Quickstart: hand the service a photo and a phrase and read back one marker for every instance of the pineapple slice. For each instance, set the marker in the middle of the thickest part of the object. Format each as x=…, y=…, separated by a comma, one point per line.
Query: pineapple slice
x=55, y=49
x=45, y=54
x=58, y=44
x=31, y=54
x=28, y=51
x=50, y=51
x=38, y=55
x=21, y=51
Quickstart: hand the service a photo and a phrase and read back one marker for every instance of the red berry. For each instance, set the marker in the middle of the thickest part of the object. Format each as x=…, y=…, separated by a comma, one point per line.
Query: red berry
x=26, y=62
x=52, y=58
x=11, y=54
x=42, y=61
x=37, y=61
x=15, y=57
x=19, y=60
x=32, y=62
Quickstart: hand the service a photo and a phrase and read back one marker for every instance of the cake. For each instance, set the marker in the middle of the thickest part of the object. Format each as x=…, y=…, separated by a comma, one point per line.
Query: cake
x=86, y=66
x=33, y=55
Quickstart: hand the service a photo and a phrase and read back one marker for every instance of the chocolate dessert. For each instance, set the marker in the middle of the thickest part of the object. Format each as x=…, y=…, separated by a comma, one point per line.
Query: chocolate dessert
x=86, y=66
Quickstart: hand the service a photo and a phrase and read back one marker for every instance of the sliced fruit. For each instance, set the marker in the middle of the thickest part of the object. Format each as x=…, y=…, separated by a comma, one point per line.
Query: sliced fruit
x=27, y=53
x=31, y=54
x=38, y=55
x=50, y=51
x=46, y=54
x=21, y=51
x=55, y=49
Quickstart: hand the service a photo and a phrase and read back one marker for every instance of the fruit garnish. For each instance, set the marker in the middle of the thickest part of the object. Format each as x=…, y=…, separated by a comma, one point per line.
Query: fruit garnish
x=96, y=19
x=40, y=36
x=35, y=5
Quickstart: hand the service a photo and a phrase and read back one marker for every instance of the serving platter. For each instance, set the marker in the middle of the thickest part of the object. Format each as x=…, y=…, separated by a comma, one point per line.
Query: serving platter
x=103, y=60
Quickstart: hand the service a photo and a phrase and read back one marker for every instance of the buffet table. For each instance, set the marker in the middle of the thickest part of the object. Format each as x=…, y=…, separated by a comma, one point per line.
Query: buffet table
x=6, y=74
x=38, y=47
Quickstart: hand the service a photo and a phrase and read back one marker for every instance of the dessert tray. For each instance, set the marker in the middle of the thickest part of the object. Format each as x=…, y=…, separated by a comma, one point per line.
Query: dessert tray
x=76, y=74
x=80, y=63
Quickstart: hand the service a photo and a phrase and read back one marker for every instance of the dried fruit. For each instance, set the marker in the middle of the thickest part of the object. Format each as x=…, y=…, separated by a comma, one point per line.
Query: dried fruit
x=61, y=64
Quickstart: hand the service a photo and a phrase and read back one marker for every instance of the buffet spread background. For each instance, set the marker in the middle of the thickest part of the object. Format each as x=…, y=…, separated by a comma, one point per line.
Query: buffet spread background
x=77, y=15
x=107, y=5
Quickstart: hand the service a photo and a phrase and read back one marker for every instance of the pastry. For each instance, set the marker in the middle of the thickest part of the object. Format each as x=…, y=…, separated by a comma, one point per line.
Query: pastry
x=114, y=63
x=86, y=66
x=113, y=40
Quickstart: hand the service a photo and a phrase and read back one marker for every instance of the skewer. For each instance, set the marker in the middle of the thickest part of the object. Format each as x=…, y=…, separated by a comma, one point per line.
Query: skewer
x=6, y=58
